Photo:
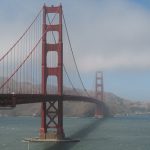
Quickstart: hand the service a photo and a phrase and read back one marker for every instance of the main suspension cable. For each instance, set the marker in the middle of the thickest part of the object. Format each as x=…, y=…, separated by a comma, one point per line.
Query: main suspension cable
x=21, y=37
x=74, y=56
x=23, y=62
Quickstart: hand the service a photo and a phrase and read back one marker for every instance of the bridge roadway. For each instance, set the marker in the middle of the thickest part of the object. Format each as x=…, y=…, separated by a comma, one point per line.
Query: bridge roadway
x=11, y=100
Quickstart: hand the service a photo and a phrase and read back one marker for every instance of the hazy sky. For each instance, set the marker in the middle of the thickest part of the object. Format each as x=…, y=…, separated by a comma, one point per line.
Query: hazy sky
x=108, y=35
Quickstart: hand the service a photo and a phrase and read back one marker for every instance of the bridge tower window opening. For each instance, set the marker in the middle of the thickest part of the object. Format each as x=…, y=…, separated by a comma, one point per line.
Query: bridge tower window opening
x=52, y=59
x=52, y=85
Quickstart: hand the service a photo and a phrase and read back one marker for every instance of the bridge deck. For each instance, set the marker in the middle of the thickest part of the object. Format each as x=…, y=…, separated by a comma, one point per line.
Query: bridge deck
x=16, y=99
x=11, y=100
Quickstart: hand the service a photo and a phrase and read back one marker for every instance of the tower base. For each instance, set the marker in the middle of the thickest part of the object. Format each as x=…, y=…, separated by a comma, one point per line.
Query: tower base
x=39, y=140
x=53, y=135
x=99, y=116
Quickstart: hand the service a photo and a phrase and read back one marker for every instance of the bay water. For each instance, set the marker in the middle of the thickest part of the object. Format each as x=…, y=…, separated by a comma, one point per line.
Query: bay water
x=120, y=133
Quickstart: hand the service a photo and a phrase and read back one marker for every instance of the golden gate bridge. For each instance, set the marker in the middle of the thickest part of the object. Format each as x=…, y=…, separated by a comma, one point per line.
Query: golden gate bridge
x=41, y=68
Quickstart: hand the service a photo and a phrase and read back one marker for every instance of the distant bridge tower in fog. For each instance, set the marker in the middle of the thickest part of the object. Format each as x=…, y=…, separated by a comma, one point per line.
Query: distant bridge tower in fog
x=99, y=91
x=99, y=87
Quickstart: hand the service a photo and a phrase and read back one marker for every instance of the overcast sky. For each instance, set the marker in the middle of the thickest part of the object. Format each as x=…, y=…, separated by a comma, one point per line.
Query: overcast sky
x=108, y=35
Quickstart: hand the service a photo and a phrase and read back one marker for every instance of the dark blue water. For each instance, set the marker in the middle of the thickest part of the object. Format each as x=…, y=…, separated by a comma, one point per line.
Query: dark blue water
x=124, y=133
